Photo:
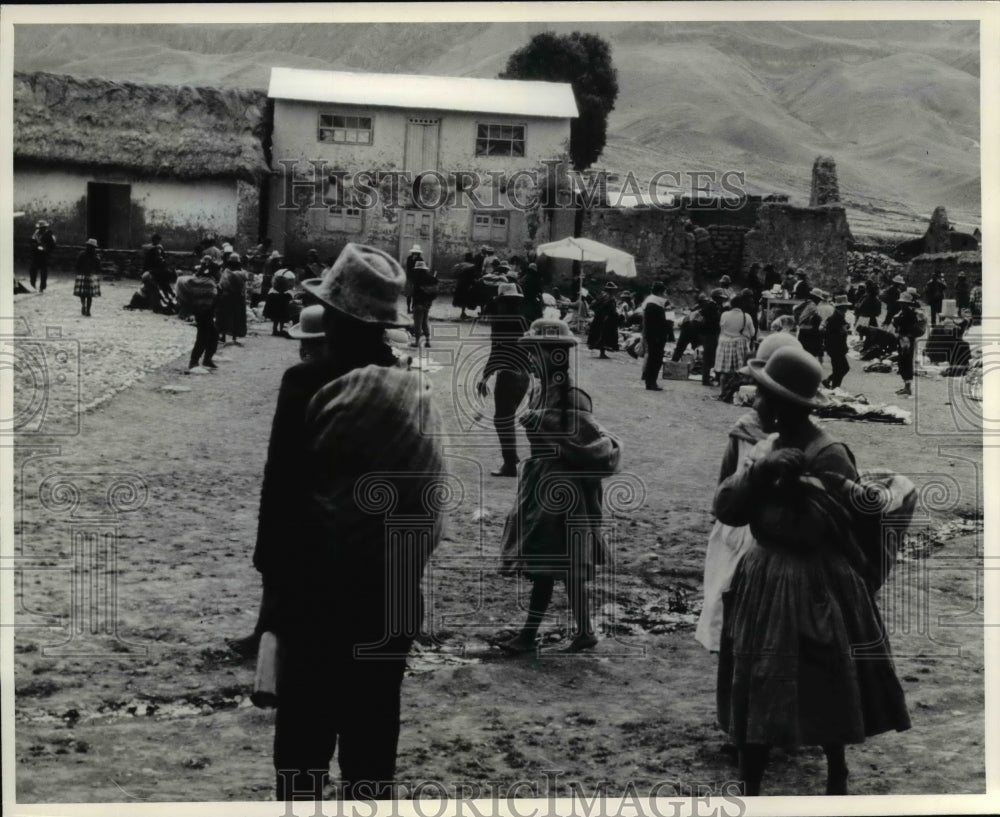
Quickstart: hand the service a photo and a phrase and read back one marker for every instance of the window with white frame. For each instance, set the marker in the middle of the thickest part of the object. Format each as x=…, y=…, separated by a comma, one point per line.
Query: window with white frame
x=344, y=219
x=495, y=139
x=345, y=129
x=490, y=228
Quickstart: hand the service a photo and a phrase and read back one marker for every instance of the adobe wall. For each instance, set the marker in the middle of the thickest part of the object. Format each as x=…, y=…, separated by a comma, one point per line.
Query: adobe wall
x=949, y=264
x=814, y=239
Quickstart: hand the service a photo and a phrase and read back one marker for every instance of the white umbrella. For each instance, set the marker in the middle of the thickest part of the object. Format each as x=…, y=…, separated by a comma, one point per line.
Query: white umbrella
x=585, y=249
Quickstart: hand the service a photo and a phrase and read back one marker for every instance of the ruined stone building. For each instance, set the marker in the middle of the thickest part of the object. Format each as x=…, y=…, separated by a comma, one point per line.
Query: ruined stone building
x=117, y=161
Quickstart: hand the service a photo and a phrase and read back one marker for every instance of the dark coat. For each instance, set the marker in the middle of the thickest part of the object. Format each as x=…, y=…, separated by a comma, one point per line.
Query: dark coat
x=603, y=332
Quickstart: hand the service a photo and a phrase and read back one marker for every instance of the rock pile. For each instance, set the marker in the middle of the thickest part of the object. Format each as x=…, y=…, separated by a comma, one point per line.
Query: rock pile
x=866, y=264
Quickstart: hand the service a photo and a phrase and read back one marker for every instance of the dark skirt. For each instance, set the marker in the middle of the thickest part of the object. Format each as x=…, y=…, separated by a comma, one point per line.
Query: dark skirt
x=231, y=315
x=804, y=659
x=276, y=306
x=87, y=286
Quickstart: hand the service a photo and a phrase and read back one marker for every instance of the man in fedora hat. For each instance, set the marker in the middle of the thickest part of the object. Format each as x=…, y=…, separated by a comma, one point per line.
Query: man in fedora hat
x=510, y=363
x=43, y=242
x=962, y=300
x=934, y=295
x=341, y=584
x=423, y=284
x=603, y=334
x=890, y=297
x=416, y=254
x=835, y=332
x=909, y=324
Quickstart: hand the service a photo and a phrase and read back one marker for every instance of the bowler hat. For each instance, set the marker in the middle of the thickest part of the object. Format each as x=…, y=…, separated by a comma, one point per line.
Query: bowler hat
x=791, y=374
x=363, y=283
x=310, y=324
x=770, y=345
x=549, y=331
x=91, y=242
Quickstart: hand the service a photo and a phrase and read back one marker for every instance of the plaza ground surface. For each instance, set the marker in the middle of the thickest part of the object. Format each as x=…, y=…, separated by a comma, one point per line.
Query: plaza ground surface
x=159, y=711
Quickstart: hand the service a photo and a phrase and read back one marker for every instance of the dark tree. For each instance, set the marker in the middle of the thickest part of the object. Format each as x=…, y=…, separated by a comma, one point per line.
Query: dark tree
x=583, y=60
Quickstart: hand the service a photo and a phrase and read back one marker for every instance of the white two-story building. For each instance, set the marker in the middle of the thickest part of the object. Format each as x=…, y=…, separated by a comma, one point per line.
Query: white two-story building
x=347, y=147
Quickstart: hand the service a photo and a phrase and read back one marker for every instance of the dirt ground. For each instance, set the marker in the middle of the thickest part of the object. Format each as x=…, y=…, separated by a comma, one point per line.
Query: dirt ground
x=142, y=701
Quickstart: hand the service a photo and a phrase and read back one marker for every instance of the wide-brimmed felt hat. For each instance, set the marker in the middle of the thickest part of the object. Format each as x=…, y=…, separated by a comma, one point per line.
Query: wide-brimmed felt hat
x=899, y=279
x=907, y=298
x=363, y=283
x=962, y=273
x=611, y=286
x=790, y=374
x=310, y=324
x=227, y=247
x=421, y=264
x=508, y=290
x=416, y=248
x=770, y=345
x=841, y=300
x=725, y=279
x=801, y=273
x=717, y=295
x=91, y=242
x=42, y=223
x=549, y=331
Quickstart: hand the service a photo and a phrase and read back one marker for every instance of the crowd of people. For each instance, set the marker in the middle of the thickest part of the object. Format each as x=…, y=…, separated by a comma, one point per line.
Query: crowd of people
x=788, y=587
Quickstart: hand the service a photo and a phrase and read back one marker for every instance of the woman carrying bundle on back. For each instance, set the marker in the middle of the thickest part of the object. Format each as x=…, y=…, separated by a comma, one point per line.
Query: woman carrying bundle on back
x=804, y=659
x=554, y=529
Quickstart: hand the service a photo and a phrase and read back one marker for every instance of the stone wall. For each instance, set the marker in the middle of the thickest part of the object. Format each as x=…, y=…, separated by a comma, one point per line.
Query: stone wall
x=814, y=239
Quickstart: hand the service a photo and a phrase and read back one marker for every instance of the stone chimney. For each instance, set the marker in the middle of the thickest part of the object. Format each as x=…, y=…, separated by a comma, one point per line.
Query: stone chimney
x=825, y=189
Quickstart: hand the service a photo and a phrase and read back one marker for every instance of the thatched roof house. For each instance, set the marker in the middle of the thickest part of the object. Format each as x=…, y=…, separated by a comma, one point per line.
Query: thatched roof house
x=160, y=130
x=118, y=161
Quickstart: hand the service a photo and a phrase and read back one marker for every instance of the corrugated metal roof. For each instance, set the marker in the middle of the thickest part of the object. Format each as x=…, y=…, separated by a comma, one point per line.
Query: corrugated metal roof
x=506, y=96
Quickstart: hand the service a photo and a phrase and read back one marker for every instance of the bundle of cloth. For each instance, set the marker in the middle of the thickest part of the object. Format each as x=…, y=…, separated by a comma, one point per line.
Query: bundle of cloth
x=842, y=405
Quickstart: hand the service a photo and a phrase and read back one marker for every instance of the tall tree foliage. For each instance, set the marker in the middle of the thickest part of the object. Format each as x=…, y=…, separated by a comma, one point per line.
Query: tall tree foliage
x=584, y=61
